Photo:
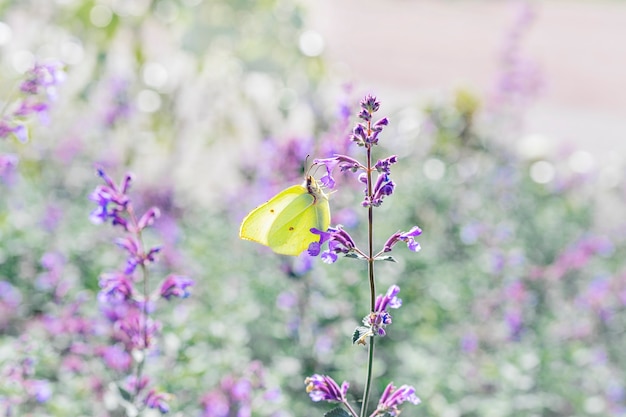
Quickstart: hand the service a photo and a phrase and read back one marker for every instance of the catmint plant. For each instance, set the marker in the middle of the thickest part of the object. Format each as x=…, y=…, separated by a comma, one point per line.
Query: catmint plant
x=378, y=185
x=33, y=97
x=128, y=297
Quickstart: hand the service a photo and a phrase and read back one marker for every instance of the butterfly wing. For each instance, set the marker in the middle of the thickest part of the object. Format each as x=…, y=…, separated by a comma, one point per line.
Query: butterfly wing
x=256, y=225
x=291, y=232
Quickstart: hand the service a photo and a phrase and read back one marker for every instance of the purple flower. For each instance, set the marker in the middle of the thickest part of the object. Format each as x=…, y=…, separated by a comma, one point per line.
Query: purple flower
x=392, y=397
x=137, y=385
x=176, y=286
x=136, y=330
x=366, y=134
x=136, y=255
x=339, y=241
x=383, y=187
x=345, y=163
x=407, y=237
x=389, y=299
x=158, y=400
x=324, y=388
x=43, y=78
x=115, y=286
x=384, y=165
x=39, y=389
x=115, y=357
x=374, y=323
x=112, y=200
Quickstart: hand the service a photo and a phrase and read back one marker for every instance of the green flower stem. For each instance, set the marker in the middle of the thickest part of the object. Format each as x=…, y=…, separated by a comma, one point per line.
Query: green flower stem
x=370, y=270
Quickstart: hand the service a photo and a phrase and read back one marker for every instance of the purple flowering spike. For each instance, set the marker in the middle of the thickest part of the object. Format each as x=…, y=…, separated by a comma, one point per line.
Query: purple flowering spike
x=324, y=388
x=175, y=286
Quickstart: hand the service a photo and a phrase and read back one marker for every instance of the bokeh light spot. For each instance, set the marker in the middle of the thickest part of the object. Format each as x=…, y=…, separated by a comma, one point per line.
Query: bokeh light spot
x=542, y=172
x=154, y=75
x=22, y=60
x=100, y=15
x=148, y=101
x=5, y=33
x=434, y=169
x=581, y=162
x=311, y=43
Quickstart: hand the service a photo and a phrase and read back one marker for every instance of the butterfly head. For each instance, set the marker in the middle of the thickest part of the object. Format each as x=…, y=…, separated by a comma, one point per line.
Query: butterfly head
x=312, y=186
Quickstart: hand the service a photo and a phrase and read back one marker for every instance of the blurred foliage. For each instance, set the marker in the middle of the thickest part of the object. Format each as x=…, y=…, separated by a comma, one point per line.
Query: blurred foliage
x=514, y=307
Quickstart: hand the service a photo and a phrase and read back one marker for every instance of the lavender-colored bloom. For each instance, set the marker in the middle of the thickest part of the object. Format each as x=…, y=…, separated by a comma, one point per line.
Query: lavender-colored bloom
x=176, y=286
x=339, y=241
x=32, y=107
x=215, y=404
x=115, y=286
x=515, y=323
x=53, y=263
x=383, y=187
x=375, y=322
x=366, y=133
x=407, y=237
x=158, y=400
x=39, y=389
x=324, y=388
x=43, y=78
x=148, y=218
x=138, y=331
x=390, y=299
x=136, y=255
x=115, y=357
x=392, y=397
x=16, y=128
x=469, y=343
x=134, y=385
x=112, y=200
x=384, y=165
x=369, y=104
x=345, y=163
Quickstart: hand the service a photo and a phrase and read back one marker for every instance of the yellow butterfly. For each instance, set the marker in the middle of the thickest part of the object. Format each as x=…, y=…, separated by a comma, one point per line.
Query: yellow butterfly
x=283, y=223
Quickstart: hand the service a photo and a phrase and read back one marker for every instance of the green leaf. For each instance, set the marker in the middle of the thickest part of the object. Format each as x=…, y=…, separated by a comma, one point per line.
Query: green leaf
x=359, y=332
x=337, y=412
x=353, y=255
x=386, y=258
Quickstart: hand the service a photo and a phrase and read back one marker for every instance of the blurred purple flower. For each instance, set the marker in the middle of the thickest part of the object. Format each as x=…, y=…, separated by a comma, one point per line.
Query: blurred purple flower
x=115, y=286
x=8, y=164
x=393, y=397
x=111, y=199
x=324, y=388
x=469, y=342
x=136, y=330
x=158, y=400
x=39, y=389
x=176, y=286
x=43, y=78
x=115, y=357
